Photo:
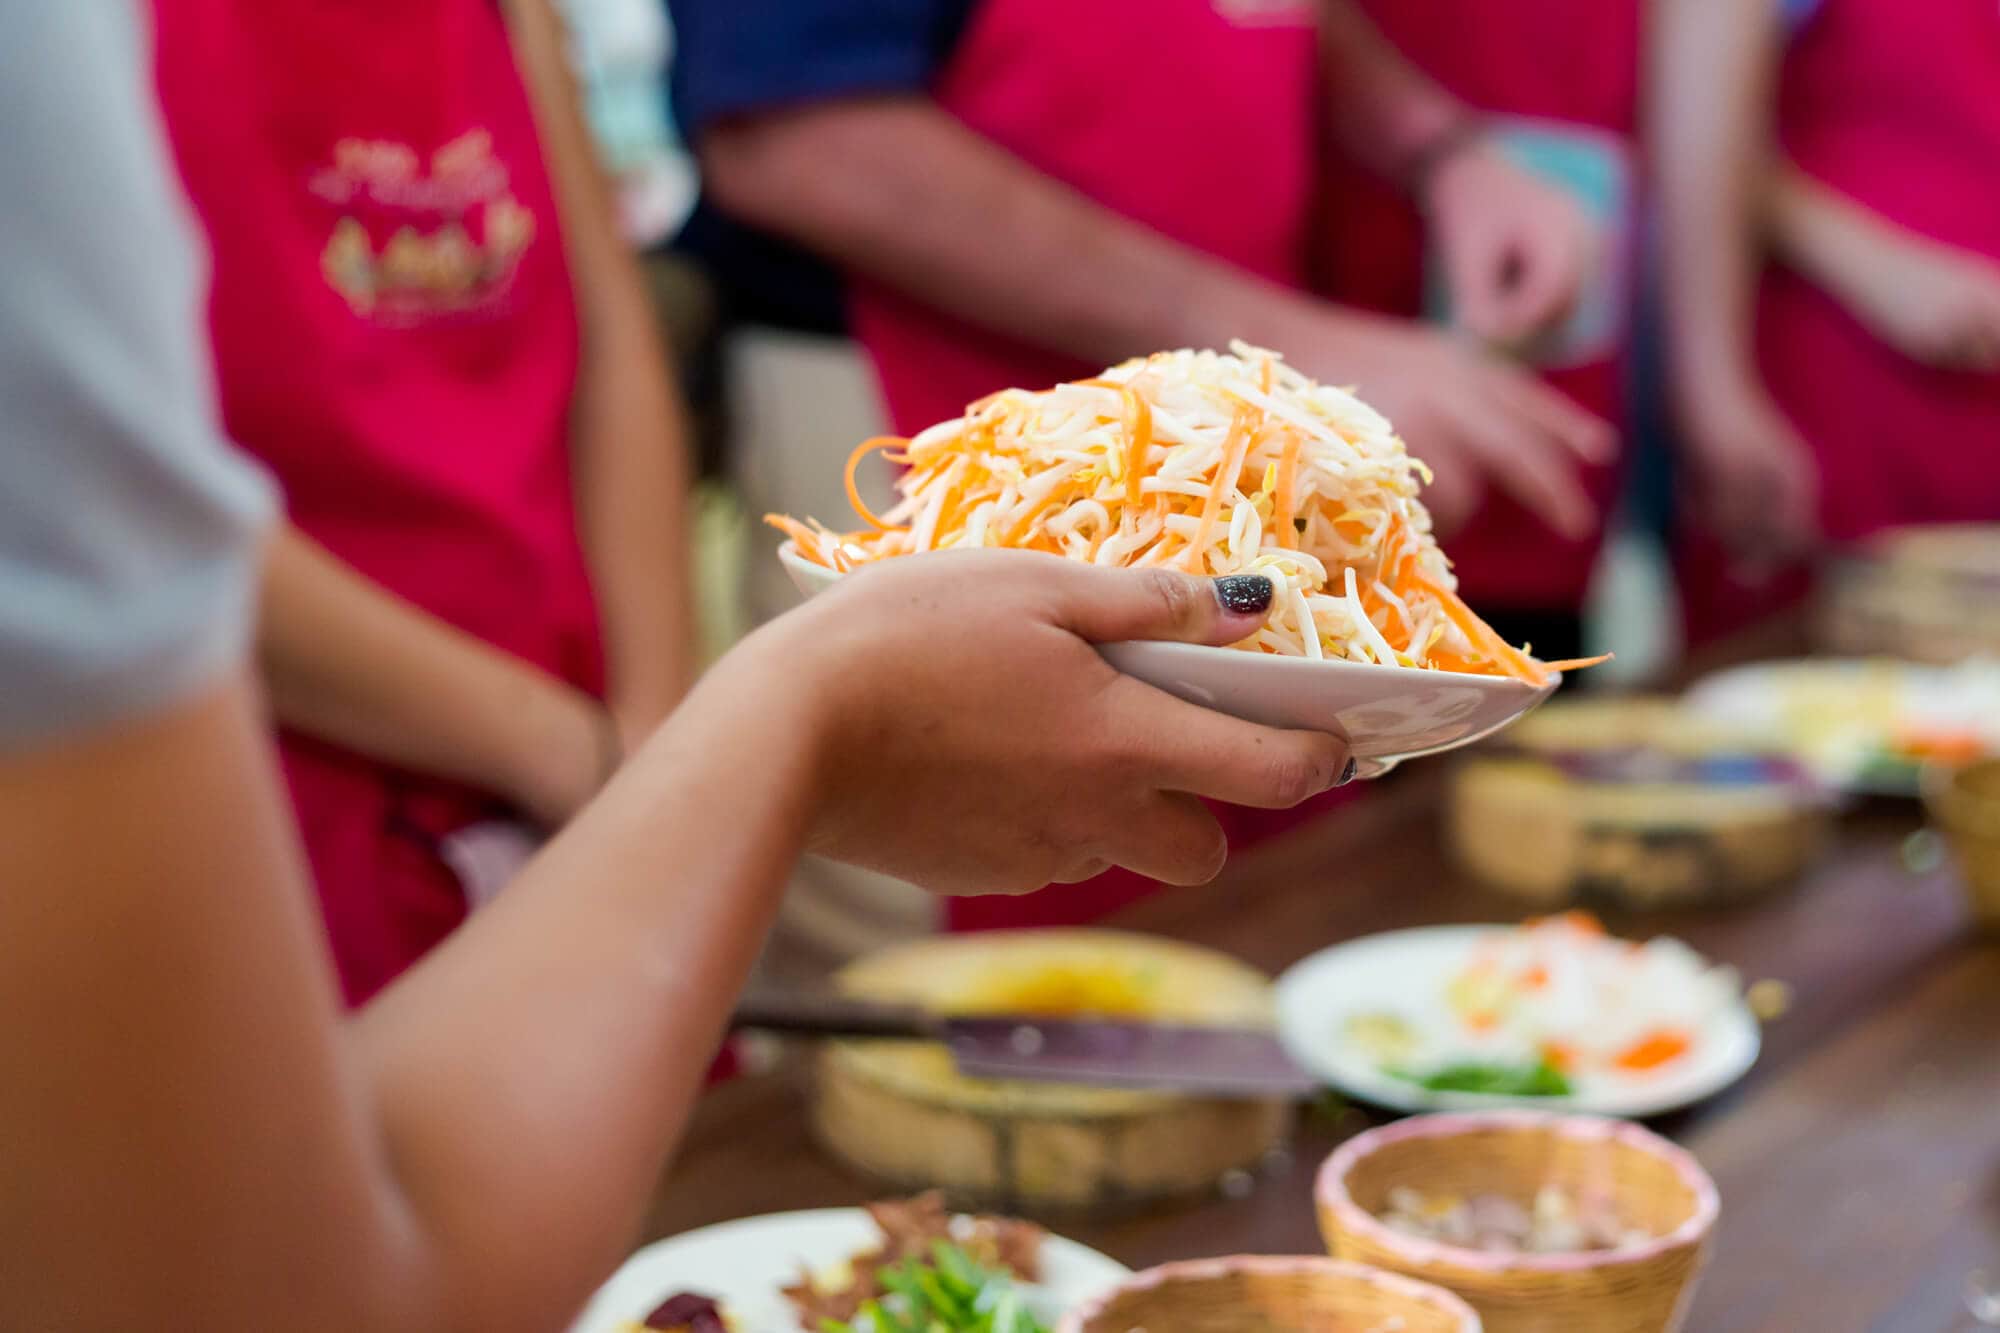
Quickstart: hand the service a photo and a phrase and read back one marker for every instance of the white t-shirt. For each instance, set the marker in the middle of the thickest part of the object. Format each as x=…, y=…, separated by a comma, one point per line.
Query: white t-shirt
x=129, y=530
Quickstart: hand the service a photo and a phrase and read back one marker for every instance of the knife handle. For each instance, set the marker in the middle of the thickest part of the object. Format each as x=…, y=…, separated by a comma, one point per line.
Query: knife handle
x=821, y=1015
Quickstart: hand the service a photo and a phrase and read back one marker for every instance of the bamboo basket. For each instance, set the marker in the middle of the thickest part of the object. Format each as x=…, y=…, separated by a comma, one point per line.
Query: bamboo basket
x=1653, y=1185
x=1271, y=1295
x=1521, y=823
x=1965, y=805
x=899, y=1112
x=1927, y=593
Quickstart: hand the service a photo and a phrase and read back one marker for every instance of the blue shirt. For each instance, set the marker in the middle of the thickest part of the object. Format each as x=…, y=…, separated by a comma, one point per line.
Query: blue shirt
x=740, y=57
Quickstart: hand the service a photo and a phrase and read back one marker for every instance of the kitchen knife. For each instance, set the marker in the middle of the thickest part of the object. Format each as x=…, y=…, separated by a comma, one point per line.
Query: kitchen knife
x=1218, y=1062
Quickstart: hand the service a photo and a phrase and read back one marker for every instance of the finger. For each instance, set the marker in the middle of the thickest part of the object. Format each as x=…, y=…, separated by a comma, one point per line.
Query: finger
x=1541, y=290
x=1112, y=605
x=1171, y=837
x=1178, y=746
x=1584, y=433
x=1518, y=456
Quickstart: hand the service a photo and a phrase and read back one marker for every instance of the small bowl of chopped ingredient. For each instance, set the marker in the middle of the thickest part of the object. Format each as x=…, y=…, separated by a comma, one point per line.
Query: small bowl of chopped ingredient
x=1539, y=1220
x=1272, y=1294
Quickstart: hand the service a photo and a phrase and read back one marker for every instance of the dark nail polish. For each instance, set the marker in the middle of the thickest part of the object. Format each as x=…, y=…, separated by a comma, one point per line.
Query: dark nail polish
x=1245, y=594
x=1347, y=774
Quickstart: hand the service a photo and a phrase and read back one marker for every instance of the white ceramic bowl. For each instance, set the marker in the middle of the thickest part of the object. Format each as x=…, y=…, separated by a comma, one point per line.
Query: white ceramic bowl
x=1387, y=714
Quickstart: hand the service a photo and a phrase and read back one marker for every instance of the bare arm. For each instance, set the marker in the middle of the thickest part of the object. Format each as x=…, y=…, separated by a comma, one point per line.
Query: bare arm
x=897, y=189
x=474, y=1150
x=1710, y=108
x=349, y=662
x=196, y=1107
x=629, y=426
x=1933, y=302
x=1384, y=111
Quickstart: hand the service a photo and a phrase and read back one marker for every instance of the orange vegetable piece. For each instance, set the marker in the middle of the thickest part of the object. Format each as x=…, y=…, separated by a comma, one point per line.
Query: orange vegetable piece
x=1653, y=1050
x=861, y=451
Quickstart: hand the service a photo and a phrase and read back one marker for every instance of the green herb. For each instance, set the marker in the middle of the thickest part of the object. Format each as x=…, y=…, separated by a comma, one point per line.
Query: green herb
x=953, y=1293
x=1536, y=1080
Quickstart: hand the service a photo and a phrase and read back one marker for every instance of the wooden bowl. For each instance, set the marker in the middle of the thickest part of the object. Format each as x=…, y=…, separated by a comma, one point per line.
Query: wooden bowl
x=900, y=1113
x=1271, y=1295
x=1964, y=803
x=1926, y=593
x=1654, y=1186
x=1524, y=821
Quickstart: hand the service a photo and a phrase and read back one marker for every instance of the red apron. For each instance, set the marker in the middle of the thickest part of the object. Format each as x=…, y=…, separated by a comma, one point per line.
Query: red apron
x=395, y=336
x=1196, y=117
x=1566, y=72
x=1898, y=107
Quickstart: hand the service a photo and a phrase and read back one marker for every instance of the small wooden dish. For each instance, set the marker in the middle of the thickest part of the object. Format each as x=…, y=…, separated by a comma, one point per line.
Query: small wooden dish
x=1926, y=593
x=1531, y=819
x=901, y=1114
x=1653, y=1185
x=1264, y=1294
x=1964, y=803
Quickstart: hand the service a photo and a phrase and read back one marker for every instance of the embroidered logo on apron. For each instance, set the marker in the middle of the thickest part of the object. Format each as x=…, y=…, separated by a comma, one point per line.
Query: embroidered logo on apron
x=411, y=243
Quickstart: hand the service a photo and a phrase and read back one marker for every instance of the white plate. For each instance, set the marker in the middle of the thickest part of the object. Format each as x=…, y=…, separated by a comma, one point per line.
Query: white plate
x=744, y=1264
x=1840, y=716
x=1405, y=971
x=1387, y=714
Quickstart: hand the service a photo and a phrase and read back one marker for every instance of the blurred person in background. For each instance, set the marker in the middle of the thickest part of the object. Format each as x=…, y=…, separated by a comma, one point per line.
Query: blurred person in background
x=427, y=325
x=1831, y=197
x=473, y=1151
x=1018, y=192
x=1555, y=86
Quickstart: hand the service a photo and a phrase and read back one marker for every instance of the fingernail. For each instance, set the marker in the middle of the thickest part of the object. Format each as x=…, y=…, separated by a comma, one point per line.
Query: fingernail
x=1245, y=594
x=1347, y=774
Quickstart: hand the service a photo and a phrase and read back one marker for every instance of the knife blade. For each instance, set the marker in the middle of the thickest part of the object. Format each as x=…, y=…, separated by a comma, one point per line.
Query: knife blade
x=1222, y=1062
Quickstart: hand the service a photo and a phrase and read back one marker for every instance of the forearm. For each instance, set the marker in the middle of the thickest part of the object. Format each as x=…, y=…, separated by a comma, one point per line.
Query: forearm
x=628, y=424
x=898, y=191
x=1711, y=105
x=470, y=1153
x=1819, y=231
x=502, y=1055
x=1383, y=110
x=346, y=661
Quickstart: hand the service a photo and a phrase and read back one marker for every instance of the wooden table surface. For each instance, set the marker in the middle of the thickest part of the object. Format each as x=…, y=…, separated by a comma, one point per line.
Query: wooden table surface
x=1859, y=1163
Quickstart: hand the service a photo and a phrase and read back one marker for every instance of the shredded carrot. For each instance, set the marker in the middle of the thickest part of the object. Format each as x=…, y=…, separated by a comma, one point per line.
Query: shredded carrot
x=861, y=451
x=1226, y=477
x=1653, y=1050
x=1286, y=500
x=1534, y=977
x=1577, y=663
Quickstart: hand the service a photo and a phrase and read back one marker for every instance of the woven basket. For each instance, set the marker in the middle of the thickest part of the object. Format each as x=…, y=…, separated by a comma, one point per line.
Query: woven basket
x=901, y=1114
x=1529, y=828
x=1271, y=1295
x=1653, y=1185
x=1965, y=804
x=1923, y=593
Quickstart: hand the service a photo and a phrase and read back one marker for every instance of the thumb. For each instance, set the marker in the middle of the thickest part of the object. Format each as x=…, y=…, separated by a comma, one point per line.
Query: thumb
x=1111, y=605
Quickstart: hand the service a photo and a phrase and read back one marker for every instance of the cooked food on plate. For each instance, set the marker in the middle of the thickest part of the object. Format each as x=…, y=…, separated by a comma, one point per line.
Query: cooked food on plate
x=1556, y=1221
x=1536, y=1010
x=931, y=1270
x=923, y=1246
x=1212, y=463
